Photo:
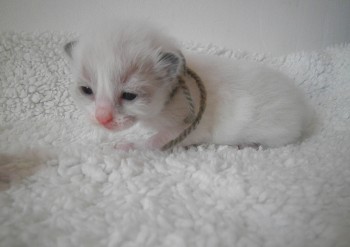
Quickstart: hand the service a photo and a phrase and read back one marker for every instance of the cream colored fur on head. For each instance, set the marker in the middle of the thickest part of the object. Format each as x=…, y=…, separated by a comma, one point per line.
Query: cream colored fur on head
x=125, y=72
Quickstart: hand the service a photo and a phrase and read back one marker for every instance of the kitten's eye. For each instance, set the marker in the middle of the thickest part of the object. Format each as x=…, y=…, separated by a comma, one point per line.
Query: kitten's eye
x=129, y=96
x=86, y=90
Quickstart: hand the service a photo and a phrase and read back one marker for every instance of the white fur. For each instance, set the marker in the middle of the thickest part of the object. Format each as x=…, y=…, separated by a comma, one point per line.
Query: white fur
x=246, y=103
x=249, y=103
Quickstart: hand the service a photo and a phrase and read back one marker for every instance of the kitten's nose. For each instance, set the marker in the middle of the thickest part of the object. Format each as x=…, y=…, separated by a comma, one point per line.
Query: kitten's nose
x=104, y=115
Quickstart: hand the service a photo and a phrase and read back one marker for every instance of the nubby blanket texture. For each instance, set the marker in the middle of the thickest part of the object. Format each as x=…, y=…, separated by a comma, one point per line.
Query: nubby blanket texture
x=63, y=183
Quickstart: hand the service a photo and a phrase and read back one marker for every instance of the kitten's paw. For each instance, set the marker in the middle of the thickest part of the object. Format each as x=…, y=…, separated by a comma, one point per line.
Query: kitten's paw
x=125, y=146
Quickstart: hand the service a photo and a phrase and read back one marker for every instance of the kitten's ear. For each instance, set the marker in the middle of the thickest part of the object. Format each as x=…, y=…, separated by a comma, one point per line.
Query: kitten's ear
x=172, y=62
x=68, y=48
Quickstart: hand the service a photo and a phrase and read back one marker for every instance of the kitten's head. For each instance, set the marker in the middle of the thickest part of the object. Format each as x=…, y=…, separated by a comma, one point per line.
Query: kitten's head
x=124, y=74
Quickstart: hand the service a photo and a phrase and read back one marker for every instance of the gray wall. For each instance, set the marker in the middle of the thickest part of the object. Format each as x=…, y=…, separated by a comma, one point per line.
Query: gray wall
x=273, y=26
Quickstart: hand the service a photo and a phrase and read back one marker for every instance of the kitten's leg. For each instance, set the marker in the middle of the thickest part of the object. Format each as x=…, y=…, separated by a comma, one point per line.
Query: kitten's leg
x=158, y=140
x=125, y=146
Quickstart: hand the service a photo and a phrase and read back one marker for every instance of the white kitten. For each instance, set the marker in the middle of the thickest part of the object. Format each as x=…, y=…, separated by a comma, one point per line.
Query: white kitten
x=125, y=74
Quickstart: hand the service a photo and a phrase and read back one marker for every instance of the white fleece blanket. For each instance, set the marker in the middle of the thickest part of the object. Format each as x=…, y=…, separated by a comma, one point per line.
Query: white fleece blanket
x=63, y=184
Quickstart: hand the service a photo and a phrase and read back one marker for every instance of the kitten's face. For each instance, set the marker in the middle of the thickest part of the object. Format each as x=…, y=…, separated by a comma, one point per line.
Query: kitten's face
x=119, y=82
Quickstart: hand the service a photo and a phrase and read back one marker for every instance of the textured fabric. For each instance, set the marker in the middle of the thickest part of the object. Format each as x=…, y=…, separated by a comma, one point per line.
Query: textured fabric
x=63, y=183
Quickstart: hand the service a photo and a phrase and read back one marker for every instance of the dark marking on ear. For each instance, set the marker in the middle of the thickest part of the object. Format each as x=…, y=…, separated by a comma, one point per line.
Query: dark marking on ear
x=172, y=62
x=170, y=58
x=68, y=48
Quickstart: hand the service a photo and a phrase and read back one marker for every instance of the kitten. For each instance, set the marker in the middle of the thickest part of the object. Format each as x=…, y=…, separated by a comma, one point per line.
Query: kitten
x=125, y=73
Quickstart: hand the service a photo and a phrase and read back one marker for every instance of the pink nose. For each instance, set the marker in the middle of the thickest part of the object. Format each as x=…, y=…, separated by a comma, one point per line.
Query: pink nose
x=104, y=115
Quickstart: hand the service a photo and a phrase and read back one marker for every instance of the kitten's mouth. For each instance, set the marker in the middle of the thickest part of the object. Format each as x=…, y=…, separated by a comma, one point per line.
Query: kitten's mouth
x=119, y=125
x=111, y=126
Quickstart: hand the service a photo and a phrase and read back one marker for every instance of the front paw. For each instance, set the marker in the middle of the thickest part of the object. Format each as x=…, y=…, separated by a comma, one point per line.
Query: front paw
x=125, y=146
